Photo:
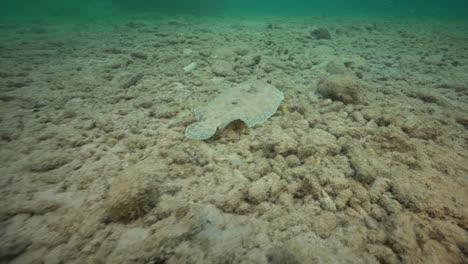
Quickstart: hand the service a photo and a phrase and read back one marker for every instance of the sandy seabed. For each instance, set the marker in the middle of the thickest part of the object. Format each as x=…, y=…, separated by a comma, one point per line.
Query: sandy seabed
x=366, y=160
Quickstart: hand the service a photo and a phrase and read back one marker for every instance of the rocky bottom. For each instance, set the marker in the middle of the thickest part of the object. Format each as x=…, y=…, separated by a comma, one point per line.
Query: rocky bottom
x=364, y=162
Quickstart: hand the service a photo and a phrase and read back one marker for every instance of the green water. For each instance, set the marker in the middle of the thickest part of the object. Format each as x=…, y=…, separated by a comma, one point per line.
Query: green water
x=92, y=10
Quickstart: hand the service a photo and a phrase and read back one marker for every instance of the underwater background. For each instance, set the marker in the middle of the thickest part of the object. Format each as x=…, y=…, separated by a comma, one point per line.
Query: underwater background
x=237, y=131
x=25, y=10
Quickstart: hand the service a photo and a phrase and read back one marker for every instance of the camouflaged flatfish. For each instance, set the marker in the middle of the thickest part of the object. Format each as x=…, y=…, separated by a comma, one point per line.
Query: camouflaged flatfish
x=251, y=102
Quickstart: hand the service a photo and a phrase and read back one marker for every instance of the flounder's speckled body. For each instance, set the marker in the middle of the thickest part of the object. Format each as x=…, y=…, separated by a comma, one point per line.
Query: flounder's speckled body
x=251, y=102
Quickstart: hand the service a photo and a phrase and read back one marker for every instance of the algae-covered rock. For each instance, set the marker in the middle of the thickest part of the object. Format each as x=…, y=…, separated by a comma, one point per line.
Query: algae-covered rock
x=344, y=88
x=131, y=195
x=251, y=102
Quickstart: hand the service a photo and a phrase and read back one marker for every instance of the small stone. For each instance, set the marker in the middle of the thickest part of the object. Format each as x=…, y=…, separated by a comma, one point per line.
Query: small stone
x=343, y=198
x=335, y=66
x=189, y=68
x=326, y=202
x=139, y=55
x=223, y=68
x=52, y=177
x=258, y=191
x=131, y=195
x=293, y=161
x=48, y=162
x=344, y=88
x=433, y=59
x=187, y=52
x=321, y=33
x=324, y=224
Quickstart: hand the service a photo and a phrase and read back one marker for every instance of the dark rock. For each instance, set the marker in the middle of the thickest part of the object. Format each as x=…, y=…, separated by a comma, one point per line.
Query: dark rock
x=344, y=88
x=132, y=81
x=321, y=33
x=139, y=55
